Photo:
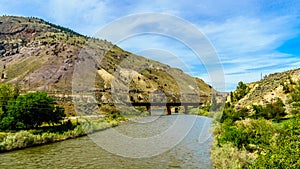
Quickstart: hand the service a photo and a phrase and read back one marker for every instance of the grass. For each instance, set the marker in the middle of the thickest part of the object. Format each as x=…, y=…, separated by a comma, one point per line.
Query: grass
x=228, y=156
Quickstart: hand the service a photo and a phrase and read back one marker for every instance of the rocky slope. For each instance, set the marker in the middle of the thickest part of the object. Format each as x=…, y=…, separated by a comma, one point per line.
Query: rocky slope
x=40, y=56
x=277, y=85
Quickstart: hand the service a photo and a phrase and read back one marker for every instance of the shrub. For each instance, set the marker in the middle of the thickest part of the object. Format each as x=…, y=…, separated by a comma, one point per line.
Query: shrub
x=231, y=114
x=20, y=139
x=274, y=110
x=228, y=156
x=259, y=132
x=284, y=150
x=234, y=135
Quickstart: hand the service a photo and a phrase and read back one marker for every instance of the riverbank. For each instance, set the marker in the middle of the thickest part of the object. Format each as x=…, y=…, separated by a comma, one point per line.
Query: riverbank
x=72, y=127
x=10, y=141
x=17, y=140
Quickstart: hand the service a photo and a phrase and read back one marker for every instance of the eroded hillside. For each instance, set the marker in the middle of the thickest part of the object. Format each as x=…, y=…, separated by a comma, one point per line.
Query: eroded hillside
x=40, y=56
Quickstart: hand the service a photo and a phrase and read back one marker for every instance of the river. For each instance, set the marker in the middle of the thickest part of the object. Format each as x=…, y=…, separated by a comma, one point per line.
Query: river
x=176, y=141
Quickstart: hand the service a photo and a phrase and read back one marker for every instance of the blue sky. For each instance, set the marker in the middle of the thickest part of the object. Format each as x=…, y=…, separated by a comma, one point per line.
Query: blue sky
x=251, y=37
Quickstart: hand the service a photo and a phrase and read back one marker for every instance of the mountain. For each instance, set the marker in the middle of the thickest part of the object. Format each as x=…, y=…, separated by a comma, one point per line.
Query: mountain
x=271, y=87
x=40, y=56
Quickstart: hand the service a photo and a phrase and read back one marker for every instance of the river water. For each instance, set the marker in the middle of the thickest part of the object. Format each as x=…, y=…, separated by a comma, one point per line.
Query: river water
x=176, y=141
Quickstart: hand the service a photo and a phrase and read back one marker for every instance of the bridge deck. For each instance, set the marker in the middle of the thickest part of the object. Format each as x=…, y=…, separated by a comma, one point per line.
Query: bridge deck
x=162, y=104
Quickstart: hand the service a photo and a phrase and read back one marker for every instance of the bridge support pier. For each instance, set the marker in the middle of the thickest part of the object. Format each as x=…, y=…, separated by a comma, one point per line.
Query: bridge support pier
x=148, y=109
x=168, y=110
x=185, y=109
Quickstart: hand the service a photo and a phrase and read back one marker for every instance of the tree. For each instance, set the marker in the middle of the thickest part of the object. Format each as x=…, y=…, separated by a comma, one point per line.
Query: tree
x=7, y=92
x=32, y=110
x=241, y=91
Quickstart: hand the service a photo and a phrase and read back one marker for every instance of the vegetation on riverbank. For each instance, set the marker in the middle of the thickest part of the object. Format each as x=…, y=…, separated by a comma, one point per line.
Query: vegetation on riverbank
x=263, y=136
x=34, y=119
x=27, y=111
x=13, y=140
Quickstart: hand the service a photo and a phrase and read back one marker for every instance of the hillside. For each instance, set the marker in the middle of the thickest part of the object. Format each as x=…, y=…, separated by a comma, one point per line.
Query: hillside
x=40, y=56
x=277, y=85
x=259, y=126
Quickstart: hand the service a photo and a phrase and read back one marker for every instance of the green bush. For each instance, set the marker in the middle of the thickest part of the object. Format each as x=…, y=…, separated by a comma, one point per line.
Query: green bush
x=274, y=110
x=235, y=135
x=230, y=114
x=284, y=149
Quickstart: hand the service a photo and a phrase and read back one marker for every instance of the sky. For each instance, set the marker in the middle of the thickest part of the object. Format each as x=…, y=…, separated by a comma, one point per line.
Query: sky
x=250, y=38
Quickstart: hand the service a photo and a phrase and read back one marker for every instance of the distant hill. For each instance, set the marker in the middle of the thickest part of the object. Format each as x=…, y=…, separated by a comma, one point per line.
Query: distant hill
x=40, y=56
x=277, y=85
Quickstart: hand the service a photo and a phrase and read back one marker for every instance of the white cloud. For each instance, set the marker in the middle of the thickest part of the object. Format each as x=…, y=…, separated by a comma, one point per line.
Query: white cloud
x=242, y=35
x=247, y=46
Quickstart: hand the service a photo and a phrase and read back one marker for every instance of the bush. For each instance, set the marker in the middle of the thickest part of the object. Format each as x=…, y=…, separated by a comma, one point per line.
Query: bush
x=246, y=133
x=273, y=110
x=284, y=149
x=259, y=132
x=263, y=140
x=235, y=135
x=230, y=114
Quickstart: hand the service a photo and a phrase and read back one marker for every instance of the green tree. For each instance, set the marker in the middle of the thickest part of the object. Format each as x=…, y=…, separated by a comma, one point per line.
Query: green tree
x=7, y=92
x=241, y=91
x=33, y=109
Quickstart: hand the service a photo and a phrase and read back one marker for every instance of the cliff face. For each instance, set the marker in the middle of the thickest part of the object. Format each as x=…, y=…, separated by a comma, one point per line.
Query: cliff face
x=40, y=56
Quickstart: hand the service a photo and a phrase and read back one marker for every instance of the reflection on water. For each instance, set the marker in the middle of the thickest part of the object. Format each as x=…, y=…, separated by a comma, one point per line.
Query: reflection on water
x=191, y=152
